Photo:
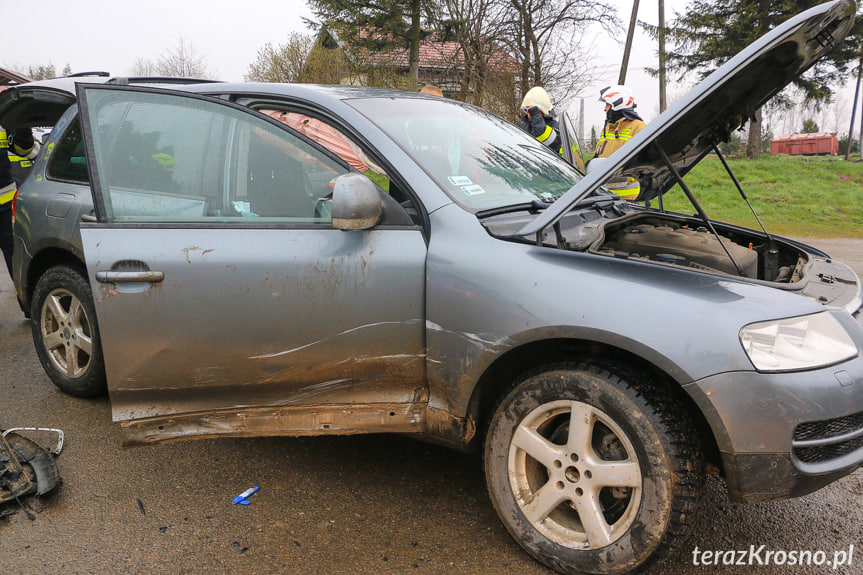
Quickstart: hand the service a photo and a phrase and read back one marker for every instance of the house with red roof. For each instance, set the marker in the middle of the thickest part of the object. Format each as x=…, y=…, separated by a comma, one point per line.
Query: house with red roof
x=441, y=63
x=8, y=78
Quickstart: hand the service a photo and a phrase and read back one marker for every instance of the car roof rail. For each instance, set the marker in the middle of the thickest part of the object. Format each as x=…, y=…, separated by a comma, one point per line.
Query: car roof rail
x=126, y=80
x=79, y=74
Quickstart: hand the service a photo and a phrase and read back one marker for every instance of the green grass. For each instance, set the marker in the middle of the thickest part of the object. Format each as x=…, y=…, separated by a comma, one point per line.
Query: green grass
x=793, y=195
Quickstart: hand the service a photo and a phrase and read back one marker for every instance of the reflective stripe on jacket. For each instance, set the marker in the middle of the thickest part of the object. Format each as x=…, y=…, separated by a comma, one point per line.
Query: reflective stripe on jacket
x=7, y=194
x=10, y=155
x=7, y=183
x=545, y=130
x=615, y=135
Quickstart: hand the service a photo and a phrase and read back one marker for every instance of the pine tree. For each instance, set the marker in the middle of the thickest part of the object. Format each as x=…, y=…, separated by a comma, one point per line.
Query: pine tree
x=809, y=126
x=713, y=31
x=376, y=24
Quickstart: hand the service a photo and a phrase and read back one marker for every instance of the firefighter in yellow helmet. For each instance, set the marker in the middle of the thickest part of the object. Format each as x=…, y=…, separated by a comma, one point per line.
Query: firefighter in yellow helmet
x=622, y=123
x=539, y=118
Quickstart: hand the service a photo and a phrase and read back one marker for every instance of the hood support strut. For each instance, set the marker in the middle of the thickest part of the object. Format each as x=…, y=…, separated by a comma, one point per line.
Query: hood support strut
x=718, y=152
x=695, y=203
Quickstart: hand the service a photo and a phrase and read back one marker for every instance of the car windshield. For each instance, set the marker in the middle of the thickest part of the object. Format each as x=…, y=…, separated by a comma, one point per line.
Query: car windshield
x=477, y=158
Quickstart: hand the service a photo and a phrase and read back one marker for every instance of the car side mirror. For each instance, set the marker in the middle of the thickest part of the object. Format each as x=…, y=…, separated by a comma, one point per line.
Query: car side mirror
x=356, y=204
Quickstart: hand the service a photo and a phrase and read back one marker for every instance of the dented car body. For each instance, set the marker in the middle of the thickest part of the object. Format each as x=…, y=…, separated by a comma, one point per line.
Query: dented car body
x=237, y=277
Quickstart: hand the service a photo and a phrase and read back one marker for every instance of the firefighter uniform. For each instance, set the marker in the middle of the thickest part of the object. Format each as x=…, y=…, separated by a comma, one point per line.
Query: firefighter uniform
x=544, y=128
x=16, y=159
x=539, y=119
x=615, y=134
x=622, y=123
x=613, y=137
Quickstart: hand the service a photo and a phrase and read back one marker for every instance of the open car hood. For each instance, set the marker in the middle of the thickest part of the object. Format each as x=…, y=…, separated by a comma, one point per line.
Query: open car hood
x=720, y=104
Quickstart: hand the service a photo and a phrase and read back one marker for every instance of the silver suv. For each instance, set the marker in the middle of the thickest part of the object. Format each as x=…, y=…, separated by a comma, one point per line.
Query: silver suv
x=266, y=259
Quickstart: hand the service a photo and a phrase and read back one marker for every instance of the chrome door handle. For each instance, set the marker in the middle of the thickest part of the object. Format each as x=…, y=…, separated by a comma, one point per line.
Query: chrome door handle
x=128, y=277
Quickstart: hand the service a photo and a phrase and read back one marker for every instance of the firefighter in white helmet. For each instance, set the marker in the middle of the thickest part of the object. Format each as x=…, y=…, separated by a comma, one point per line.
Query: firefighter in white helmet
x=539, y=118
x=622, y=123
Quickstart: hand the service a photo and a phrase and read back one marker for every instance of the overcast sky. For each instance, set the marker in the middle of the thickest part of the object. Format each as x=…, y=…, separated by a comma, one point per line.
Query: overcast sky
x=110, y=35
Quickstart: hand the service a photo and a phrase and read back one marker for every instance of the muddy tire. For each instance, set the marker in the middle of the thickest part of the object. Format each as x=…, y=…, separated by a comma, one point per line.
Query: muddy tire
x=592, y=469
x=65, y=332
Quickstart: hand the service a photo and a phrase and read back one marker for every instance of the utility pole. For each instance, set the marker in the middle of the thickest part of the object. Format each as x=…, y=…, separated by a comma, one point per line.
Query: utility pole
x=859, y=81
x=662, y=104
x=854, y=112
x=622, y=78
x=581, y=122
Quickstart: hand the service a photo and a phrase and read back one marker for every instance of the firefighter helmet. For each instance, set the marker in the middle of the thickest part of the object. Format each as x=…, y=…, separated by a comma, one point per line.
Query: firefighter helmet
x=538, y=97
x=617, y=96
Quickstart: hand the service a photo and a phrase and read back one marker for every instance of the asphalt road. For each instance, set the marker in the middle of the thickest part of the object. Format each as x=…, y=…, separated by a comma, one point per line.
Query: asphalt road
x=362, y=504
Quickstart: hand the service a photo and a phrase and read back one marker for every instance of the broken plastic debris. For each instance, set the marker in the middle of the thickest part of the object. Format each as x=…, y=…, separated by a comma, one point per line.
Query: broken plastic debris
x=60, y=435
x=243, y=497
x=26, y=468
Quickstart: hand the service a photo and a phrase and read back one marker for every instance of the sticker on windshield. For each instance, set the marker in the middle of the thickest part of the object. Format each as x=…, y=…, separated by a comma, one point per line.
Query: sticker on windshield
x=459, y=180
x=472, y=190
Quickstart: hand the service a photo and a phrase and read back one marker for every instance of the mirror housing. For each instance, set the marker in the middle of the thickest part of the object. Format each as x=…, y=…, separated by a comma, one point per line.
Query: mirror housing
x=357, y=204
x=595, y=164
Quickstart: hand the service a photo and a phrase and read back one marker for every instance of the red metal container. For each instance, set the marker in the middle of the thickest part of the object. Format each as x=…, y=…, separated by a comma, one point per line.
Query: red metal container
x=806, y=144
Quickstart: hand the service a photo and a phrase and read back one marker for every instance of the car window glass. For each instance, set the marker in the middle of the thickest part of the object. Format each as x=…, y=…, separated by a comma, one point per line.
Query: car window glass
x=477, y=158
x=330, y=137
x=67, y=161
x=171, y=158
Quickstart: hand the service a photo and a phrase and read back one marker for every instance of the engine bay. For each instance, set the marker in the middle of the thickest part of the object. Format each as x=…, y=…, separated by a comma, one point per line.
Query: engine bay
x=691, y=244
x=617, y=229
x=623, y=231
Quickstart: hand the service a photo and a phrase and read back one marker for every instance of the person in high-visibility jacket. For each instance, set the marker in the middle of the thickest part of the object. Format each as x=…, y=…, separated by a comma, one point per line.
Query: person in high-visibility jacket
x=17, y=151
x=539, y=118
x=622, y=123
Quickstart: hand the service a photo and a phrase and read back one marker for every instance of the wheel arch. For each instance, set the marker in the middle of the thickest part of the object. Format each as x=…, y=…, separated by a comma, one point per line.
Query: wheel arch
x=498, y=378
x=65, y=331
x=44, y=260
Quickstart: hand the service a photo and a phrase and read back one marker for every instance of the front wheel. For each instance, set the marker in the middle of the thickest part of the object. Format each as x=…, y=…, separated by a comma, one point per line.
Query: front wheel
x=591, y=471
x=66, y=334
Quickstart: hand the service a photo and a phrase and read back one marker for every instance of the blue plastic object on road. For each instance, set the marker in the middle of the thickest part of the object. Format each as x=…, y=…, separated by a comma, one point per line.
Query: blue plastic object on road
x=243, y=497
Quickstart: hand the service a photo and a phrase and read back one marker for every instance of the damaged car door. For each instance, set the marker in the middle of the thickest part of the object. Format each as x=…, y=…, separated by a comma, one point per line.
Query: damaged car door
x=228, y=302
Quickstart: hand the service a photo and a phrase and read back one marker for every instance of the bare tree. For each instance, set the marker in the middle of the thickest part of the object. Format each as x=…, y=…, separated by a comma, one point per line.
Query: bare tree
x=786, y=115
x=545, y=36
x=143, y=67
x=182, y=61
x=475, y=26
x=539, y=42
x=839, y=110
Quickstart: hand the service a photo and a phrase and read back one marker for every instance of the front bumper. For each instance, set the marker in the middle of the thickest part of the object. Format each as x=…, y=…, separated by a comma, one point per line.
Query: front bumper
x=784, y=435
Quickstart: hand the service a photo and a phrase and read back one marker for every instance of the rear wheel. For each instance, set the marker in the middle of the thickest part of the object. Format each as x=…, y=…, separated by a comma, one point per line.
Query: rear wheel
x=65, y=332
x=590, y=470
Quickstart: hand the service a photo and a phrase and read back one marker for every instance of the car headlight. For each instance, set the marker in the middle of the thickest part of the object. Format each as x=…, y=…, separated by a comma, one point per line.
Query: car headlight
x=797, y=343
